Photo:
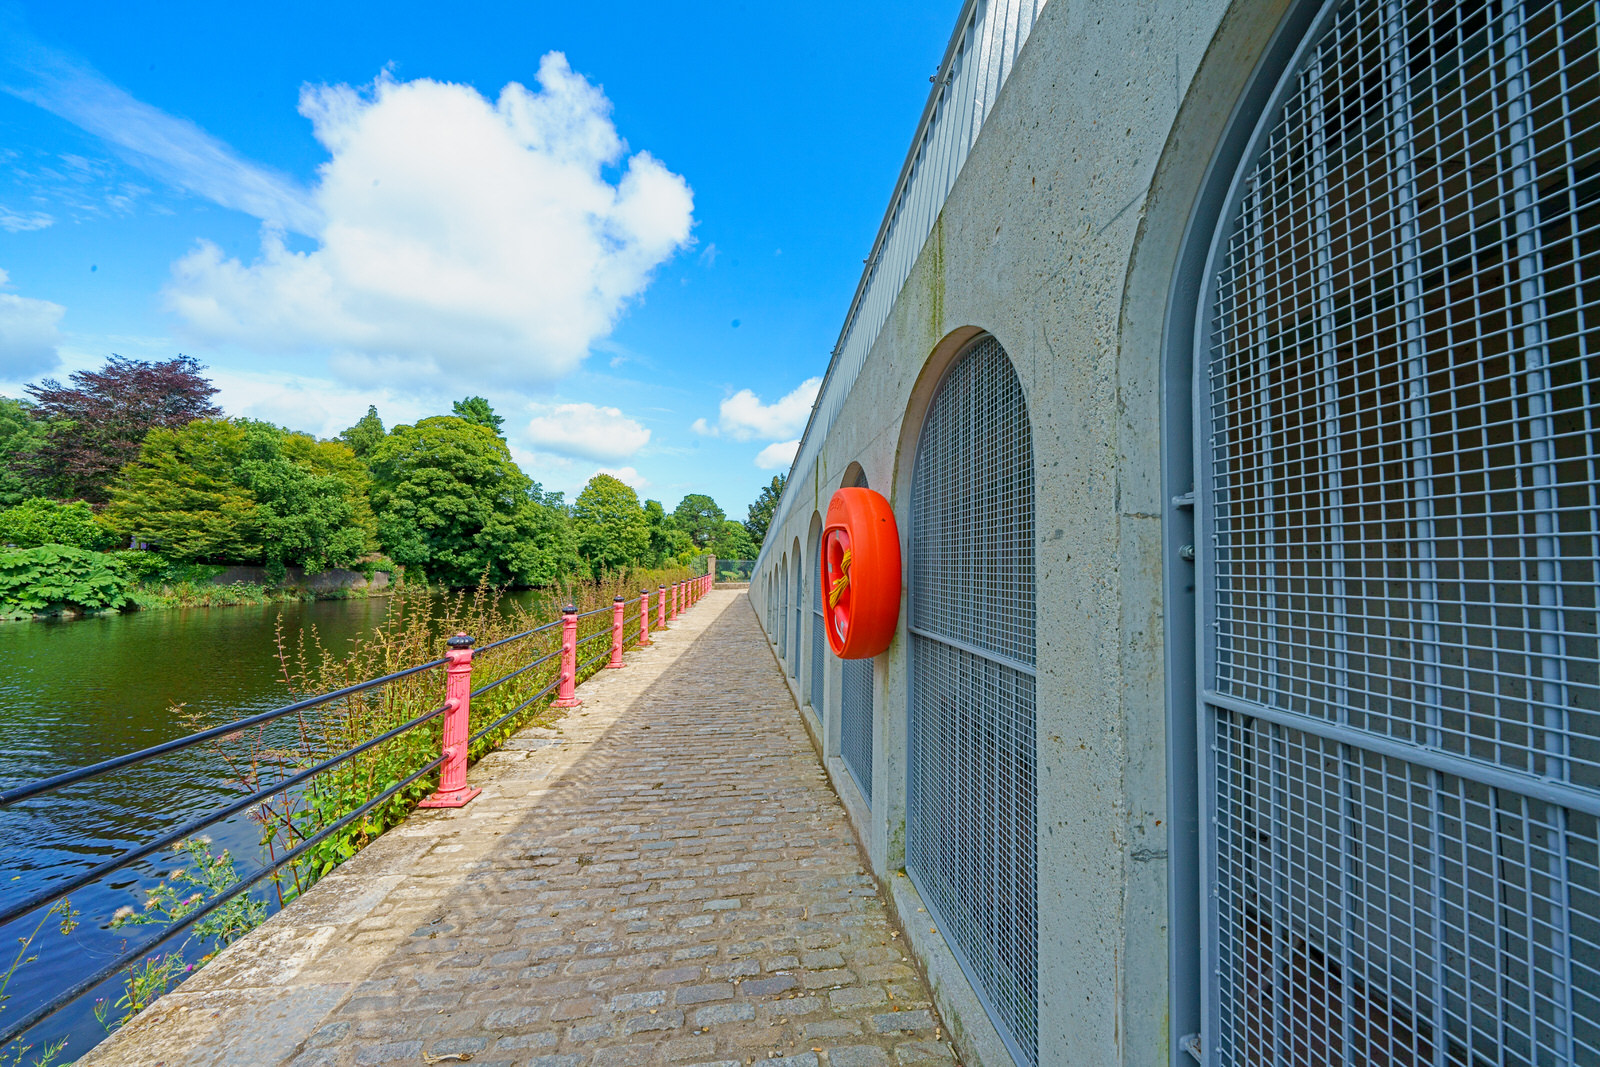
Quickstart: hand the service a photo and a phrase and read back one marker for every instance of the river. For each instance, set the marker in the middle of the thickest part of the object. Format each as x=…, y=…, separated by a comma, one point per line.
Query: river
x=79, y=691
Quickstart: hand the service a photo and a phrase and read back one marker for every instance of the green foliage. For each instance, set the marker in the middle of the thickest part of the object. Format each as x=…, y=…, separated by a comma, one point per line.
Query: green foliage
x=12, y=1055
x=450, y=500
x=57, y=577
x=178, y=896
x=668, y=543
x=182, y=495
x=20, y=435
x=698, y=516
x=40, y=521
x=239, y=491
x=609, y=525
x=733, y=542
x=311, y=500
x=760, y=512
x=364, y=436
x=476, y=410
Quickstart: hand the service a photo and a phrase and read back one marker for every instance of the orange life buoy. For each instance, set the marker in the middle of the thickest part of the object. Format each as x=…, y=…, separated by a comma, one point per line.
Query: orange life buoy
x=860, y=573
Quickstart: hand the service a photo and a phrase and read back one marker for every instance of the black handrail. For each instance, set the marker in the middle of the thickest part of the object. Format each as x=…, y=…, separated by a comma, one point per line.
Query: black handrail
x=44, y=785
x=172, y=837
x=44, y=1011
x=45, y=895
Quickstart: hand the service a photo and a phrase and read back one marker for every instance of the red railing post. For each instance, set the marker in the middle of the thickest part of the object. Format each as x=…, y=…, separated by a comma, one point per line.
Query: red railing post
x=661, y=608
x=616, y=636
x=453, y=791
x=672, y=613
x=566, y=692
x=644, y=618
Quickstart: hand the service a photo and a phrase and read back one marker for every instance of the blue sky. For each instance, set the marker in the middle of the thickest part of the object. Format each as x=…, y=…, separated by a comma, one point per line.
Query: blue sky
x=635, y=231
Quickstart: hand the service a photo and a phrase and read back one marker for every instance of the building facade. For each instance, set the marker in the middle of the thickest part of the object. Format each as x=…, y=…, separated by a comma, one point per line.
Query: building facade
x=1233, y=372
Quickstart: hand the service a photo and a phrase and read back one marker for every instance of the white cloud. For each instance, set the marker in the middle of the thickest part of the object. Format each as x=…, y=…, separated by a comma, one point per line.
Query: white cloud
x=627, y=476
x=587, y=430
x=171, y=148
x=311, y=404
x=22, y=222
x=460, y=238
x=28, y=334
x=778, y=455
x=704, y=428
x=744, y=417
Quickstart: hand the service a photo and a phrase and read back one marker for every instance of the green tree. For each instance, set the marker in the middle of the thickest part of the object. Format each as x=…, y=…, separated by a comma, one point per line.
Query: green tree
x=667, y=541
x=364, y=436
x=698, y=516
x=39, y=521
x=760, y=513
x=240, y=491
x=308, y=515
x=476, y=410
x=733, y=542
x=182, y=495
x=20, y=435
x=609, y=525
x=450, y=500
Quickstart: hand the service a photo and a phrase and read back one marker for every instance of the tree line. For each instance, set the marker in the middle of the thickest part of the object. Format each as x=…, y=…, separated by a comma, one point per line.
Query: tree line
x=136, y=460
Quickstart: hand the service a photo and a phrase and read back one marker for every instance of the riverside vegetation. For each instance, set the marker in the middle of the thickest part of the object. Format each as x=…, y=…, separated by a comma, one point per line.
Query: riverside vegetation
x=129, y=488
x=411, y=632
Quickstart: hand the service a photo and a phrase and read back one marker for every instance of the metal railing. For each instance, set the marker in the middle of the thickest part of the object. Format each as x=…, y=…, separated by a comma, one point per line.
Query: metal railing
x=456, y=746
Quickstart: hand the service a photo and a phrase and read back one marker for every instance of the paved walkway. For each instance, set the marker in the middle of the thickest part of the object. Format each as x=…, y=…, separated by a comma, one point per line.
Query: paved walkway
x=666, y=878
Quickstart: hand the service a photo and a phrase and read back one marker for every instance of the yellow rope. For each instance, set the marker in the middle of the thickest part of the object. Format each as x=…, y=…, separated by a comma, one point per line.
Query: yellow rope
x=841, y=583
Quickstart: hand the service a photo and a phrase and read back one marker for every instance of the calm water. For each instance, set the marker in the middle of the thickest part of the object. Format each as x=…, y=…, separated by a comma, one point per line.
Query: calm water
x=75, y=692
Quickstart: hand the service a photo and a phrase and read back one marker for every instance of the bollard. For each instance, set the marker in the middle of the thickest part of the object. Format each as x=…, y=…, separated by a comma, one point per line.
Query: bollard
x=453, y=791
x=616, y=663
x=661, y=608
x=672, y=614
x=644, y=618
x=566, y=694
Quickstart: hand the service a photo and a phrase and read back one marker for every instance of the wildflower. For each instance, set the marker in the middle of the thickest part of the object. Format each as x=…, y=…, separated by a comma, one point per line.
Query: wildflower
x=204, y=839
x=122, y=914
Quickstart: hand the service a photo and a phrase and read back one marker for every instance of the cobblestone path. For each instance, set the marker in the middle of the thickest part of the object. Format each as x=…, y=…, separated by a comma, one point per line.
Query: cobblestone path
x=666, y=878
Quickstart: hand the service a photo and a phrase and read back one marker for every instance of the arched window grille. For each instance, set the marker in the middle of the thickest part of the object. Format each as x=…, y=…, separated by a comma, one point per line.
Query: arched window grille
x=819, y=639
x=970, y=805
x=799, y=614
x=783, y=607
x=1399, y=527
x=855, y=713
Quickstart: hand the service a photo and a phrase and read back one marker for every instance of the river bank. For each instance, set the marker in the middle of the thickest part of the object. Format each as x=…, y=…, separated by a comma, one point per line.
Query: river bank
x=232, y=587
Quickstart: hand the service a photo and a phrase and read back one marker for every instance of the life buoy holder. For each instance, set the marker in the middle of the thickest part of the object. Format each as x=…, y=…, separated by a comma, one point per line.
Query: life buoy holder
x=860, y=577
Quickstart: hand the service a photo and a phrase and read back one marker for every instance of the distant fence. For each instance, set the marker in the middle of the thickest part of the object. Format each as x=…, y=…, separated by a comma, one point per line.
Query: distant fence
x=735, y=570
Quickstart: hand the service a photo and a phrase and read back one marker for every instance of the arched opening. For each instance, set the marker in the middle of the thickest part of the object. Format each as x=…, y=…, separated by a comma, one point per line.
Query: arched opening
x=819, y=639
x=1396, y=496
x=798, y=600
x=783, y=606
x=855, y=704
x=970, y=824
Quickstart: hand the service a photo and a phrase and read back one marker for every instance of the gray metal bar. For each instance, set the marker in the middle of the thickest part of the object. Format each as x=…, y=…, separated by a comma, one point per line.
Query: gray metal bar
x=1575, y=799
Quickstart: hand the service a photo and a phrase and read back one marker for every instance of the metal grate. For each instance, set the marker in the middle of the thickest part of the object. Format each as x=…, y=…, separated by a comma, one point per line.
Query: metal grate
x=855, y=712
x=799, y=614
x=819, y=640
x=970, y=812
x=1402, y=698
x=783, y=608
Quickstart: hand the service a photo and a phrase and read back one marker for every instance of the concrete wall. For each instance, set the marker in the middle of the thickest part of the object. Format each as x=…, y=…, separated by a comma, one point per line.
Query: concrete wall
x=1061, y=239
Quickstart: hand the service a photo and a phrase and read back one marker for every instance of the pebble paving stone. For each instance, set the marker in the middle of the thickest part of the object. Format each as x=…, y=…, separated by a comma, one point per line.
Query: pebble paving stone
x=663, y=878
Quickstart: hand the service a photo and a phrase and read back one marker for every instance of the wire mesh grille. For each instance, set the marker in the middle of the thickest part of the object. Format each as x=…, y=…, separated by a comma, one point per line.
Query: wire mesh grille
x=1404, y=536
x=799, y=616
x=783, y=608
x=855, y=713
x=970, y=822
x=818, y=638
